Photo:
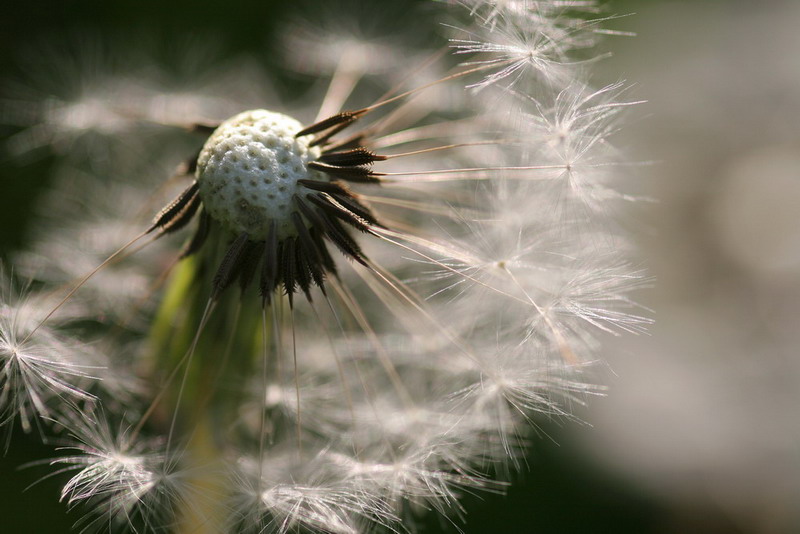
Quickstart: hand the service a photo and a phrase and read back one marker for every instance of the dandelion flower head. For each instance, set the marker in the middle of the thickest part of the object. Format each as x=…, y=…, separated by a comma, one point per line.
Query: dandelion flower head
x=342, y=316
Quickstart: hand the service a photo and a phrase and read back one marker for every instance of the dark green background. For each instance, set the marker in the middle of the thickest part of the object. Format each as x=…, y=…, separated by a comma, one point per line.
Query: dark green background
x=559, y=491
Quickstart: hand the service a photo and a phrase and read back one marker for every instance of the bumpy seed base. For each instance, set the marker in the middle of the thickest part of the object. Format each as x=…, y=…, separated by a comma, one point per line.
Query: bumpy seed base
x=248, y=169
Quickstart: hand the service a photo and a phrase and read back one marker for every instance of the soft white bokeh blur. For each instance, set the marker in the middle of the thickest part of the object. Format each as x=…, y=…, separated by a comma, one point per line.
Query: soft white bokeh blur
x=704, y=412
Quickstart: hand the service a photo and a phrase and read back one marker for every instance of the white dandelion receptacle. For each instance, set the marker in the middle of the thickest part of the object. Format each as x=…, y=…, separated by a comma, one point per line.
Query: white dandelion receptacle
x=248, y=170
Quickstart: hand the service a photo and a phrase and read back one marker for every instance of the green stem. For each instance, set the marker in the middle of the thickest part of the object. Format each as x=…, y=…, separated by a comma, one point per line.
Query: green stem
x=208, y=403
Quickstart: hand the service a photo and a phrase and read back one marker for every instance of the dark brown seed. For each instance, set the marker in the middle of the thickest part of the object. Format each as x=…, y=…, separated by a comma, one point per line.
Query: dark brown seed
x=288, y=268
x=325, y=187
x=352, y=203
x=317, y=234
x=339, y=237
x=325, y=257
x=230, y=265
x=351, y=158
x=249, y=264
x=309, y=246
x=302, y=269
x=206, y=128
x=200, y=235
x=191, y=163
x=329, y=205
x=175, y=214
x=351, y=174
x=340, y=120
x=183, y=218
x=269, y=269
x=323, y=139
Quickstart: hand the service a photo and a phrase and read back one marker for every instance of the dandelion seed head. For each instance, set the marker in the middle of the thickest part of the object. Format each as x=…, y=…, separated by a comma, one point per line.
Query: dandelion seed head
x=248, y=170
x=408, y=375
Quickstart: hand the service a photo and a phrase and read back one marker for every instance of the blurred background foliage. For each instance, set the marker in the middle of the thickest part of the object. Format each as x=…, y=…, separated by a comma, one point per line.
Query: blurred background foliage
x=700, y=430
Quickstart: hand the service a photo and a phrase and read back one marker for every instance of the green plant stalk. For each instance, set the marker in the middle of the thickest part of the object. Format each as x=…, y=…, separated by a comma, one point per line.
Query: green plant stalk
x=209, y=368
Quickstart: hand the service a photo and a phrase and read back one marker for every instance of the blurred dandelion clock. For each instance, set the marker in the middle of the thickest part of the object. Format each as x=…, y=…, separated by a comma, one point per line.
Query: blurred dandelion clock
x=373, y=301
